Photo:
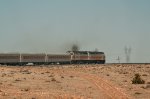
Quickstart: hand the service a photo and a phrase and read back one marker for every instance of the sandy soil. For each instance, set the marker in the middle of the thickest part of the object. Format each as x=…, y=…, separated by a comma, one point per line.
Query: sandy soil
x=108, y=81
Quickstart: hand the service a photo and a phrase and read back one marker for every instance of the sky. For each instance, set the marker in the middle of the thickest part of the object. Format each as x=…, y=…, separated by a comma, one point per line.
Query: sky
x=53, y=26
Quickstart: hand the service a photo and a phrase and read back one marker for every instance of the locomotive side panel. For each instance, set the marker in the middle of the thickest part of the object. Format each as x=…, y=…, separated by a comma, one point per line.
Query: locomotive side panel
x=83, y=57
x=79, y=56
x=97, y=57
x=75, y=57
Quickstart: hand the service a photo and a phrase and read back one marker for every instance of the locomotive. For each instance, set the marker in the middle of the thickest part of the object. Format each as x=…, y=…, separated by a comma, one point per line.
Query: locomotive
x=71, y=57
x=87, y=57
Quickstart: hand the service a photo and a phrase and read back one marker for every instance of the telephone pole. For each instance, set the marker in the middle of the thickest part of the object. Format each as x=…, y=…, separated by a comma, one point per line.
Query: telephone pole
x=127, y=53
x=118, y=59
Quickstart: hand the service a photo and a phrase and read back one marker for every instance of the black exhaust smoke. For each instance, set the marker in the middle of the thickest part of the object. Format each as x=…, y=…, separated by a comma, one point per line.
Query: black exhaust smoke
x=75, y=47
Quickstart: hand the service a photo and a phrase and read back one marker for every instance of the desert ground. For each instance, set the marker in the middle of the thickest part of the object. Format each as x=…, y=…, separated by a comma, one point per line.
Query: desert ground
x=86, y=81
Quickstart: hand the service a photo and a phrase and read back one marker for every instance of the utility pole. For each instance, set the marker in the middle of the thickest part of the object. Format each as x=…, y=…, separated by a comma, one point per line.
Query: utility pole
x=118, y=59
x=127, y=53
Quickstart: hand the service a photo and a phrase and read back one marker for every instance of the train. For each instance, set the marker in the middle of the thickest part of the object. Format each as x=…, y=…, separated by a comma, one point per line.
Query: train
x=71, y=57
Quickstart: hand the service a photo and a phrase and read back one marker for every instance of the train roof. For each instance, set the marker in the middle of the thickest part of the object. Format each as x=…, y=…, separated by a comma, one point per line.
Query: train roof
x=9, y=53
x=85, y=52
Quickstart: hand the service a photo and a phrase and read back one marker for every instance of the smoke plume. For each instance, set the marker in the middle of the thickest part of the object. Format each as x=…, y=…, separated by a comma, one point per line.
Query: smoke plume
x=75, y=47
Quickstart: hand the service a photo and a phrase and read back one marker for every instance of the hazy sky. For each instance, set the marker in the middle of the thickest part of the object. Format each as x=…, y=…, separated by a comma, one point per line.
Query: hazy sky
x=52, y=26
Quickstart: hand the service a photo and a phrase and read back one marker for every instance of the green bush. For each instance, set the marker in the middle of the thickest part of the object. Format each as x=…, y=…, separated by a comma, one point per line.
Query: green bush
x=137, y=79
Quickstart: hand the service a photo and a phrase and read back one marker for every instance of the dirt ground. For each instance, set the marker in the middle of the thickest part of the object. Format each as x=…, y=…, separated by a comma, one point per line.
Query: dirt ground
x=94, y=81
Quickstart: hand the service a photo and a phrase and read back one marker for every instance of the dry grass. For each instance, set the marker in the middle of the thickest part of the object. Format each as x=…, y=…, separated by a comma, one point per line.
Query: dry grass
x=44, y=81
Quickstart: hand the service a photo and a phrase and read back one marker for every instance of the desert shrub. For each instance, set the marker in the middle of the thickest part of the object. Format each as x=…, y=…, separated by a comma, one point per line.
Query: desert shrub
x=138, y=93
x=3, y=94
x=125, y=72
x=47, y=72
x=144, y=75
x=53, y=79
x=148, y=82
x=17, y=80
x=25, y=89
x=71, y=76
x=137, y=79
x=58, y=82
x=146, y=86
x=25, y=72
x=51, y=76
x=3, y=74
x=47, y=81
x=125, y=81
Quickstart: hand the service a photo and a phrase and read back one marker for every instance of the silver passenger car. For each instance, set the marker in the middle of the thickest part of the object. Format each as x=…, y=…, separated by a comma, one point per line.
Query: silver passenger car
x=61, y=59
x=33, y=58
x=9, y=58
